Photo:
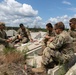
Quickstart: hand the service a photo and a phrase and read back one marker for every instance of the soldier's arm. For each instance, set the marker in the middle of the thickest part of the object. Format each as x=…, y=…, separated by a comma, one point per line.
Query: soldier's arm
x=2, y=40
x=56, y=43
x=47, y=35
x=74, y=39
x=6, y=37
x=70, y=33
x=28, y=33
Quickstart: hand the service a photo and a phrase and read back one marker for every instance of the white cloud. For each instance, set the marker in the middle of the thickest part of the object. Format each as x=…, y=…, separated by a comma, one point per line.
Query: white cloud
x=38, y=22
x=13, y=12
x=75, y=15
x=65, y=19
x=38, y=18
x=66, y=2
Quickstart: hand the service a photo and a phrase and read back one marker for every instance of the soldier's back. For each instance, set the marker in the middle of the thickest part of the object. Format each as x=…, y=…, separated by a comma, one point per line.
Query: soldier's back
x=73, y=35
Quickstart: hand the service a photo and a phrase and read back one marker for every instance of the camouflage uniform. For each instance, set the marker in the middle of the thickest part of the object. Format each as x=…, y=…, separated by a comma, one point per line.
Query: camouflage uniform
x=49, y=33
x=26, y=36
x=60, y=49
x=73, y=35
x=3, y=37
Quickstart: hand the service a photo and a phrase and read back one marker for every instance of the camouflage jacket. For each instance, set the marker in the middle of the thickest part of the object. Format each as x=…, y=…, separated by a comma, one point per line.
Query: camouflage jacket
x=73, y=34
x=3, y=36
x=49, y=33
x=25, y=33
x=62, y=42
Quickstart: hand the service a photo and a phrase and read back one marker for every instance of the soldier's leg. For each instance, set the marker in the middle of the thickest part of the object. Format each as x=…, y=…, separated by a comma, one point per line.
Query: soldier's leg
x=74, y=44
x=43, y=45
x=46, y=57
x=6, y=44
x=11, y=45
x=2, y=47
x=63, y=58
x=24, y=40
x=14, y=40
x=51, y=56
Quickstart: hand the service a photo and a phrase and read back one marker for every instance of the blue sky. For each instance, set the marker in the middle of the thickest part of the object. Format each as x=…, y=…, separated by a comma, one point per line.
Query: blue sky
x=52, y=8
x=37, y=12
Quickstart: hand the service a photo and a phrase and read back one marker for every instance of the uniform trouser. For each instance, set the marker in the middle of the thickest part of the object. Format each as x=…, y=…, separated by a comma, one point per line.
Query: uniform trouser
x=2, y=47
x=6, y=44
x=50, y=55
x=74, y=44
x=24, y=40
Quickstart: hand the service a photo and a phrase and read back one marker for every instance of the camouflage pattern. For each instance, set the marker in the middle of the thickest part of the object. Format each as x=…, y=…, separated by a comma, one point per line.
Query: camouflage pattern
x=26, y=36
x=49, y=33
x=73, y=35
x=60, y=49
x=25, y=33
x=3, y=37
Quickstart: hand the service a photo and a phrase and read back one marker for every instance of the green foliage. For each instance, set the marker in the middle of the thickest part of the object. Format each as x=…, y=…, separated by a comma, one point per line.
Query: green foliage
x=24, y=51
x=8, y=50
x=9, y=28
x=31, y=29
x=24, y=54
x=37, y=29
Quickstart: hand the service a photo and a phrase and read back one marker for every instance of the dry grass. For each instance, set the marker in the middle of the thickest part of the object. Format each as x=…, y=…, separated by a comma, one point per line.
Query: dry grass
x=2, y=58
x=11, y=55
x=14, y=57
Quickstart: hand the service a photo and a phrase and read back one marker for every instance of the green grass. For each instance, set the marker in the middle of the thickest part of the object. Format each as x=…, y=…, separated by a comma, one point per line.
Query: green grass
x=8, y=50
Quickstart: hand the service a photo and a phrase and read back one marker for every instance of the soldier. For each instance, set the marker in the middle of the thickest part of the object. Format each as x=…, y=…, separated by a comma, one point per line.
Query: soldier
x=72, y=31
x=58, y=51
x=3, y=36
x=50, y=33
x=23, y=34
